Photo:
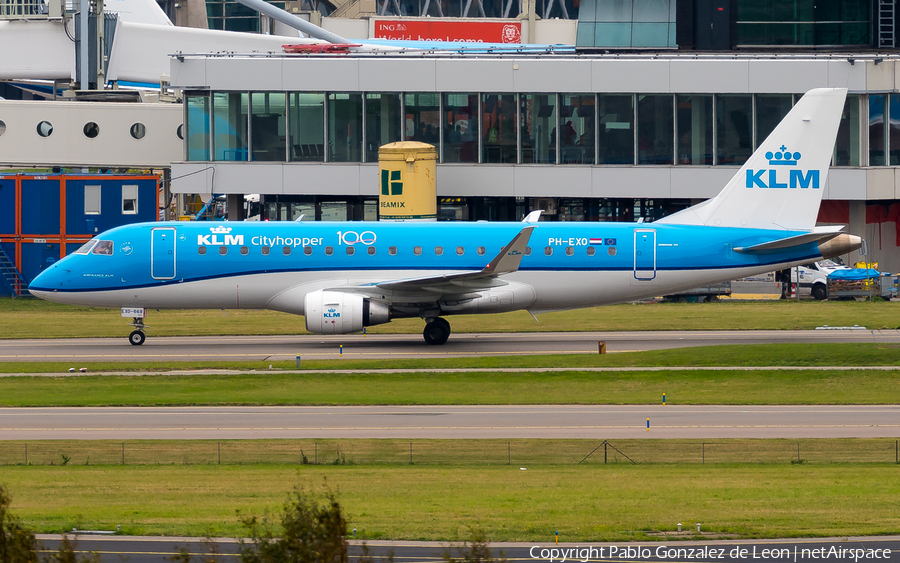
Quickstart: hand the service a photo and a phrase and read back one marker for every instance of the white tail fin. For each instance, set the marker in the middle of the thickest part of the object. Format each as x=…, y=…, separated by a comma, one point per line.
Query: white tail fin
x=780, y=186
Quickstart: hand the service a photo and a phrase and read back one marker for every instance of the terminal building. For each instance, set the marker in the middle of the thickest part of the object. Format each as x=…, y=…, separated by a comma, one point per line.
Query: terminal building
x=584, y=136
x=629, y=109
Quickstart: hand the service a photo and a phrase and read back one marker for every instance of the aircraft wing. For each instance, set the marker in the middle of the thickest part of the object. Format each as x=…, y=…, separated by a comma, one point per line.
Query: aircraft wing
x=462, y=285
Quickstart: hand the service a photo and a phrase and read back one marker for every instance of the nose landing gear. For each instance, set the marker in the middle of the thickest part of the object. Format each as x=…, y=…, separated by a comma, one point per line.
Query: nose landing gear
x=137, y=336
x=437, y=331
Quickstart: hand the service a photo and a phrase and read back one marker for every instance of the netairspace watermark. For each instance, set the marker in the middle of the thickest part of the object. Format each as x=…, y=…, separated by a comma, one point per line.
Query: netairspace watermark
x=665, y=552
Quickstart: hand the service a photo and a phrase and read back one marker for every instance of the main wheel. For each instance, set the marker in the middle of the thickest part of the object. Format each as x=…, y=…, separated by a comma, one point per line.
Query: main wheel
x=437, y=331
x=819, y=292
x=137, y=338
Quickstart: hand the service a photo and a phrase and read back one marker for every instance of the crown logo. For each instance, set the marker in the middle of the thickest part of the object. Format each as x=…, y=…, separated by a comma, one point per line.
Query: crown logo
x=332, y=310
x=220, y=230
x=783, y=157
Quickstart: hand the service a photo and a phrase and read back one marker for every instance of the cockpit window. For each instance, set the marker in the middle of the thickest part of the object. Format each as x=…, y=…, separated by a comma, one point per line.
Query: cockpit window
x=104, y=247
x=86, y=247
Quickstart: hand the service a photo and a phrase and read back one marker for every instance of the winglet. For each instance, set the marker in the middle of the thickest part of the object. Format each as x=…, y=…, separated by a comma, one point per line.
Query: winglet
x=533, y=217
x=511, y=256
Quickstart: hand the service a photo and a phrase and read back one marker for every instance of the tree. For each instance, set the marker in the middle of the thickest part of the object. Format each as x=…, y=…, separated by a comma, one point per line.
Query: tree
x=312, y=532
x=17, y=543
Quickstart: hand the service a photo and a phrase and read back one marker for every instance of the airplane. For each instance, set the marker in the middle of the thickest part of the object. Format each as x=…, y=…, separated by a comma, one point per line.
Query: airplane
x=344, y=277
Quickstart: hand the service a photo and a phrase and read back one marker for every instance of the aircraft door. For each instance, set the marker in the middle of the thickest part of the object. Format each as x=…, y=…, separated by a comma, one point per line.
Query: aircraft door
x=162, y=253
x=644, y=254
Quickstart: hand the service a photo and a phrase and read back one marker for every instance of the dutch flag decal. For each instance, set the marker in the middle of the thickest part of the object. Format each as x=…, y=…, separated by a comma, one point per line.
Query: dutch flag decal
x=596, y=241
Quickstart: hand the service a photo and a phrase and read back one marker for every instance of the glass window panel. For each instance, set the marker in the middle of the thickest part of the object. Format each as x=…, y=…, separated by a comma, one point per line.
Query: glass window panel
x=770, y=110
x=846, y=149
x=344, y=127
x=499, y=123
x=422, y=121
x=576, y=134
x=656, y=129
x=617, y=11
x=733, y=134
x=333, y=211
x=268, y=134
x=894, y=130
x=307, y=126
x=461, y=111
x=616, y=131
x=695, y=129
x=612, y=34
x=652, y=10
x=382, y=122
x=538, y=120
x=197, y=134
x=876, y=130
x=650, y=35
x=230, y=125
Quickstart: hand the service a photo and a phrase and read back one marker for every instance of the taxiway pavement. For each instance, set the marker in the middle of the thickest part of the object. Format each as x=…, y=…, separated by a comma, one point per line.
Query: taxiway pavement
x=448, y=421
x=391, y=346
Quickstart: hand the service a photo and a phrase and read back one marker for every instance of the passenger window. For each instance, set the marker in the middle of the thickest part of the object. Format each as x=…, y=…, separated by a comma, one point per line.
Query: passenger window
x=329, y=251
x=392, y=250
x=371, y=251
x=104, y=247
x=286, y=250
x=591, y=250
x=201, y=250
x=245, y=251
x=611, y=250
x=307, y=250
x=223, y=250
x=570, y=250
x=265, y=250
x=480, y=251
x=417, y=250
x=438, y=250
x=548, y=250
x=527, y=251
x=350, y=251
x=460, y=250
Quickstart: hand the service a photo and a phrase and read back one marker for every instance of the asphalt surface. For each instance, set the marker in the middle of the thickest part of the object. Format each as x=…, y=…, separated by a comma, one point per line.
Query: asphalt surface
x=450, y=421
x=673, y=548
x=388, y=346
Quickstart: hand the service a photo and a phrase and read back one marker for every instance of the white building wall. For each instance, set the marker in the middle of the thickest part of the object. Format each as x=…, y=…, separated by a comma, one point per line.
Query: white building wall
x=67, y=145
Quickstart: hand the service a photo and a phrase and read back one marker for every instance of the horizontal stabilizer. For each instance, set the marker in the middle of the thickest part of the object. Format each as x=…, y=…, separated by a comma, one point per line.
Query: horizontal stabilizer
x=820, y=234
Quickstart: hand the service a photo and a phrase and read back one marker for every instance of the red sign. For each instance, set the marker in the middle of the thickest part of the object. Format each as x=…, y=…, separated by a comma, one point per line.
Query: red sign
x=441, y=30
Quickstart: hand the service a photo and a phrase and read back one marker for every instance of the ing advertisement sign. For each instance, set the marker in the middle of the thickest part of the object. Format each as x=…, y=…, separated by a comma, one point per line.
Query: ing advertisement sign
x=451, y=31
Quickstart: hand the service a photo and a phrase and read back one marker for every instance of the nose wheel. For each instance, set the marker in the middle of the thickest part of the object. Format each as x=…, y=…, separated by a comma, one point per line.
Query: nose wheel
x=437, y=331
x=137, y=336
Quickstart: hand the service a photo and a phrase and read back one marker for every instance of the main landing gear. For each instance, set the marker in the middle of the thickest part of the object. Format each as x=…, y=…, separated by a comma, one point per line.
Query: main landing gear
x=137, y=336
x=437, y=331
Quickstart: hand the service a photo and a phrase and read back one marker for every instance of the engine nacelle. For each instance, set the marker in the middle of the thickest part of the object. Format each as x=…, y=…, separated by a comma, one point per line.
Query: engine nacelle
x=336, y=312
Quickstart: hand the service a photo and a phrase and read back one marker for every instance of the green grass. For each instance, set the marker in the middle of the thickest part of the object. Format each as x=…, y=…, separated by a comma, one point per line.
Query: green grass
x=642, y=387
x=584, y=503
x=30, y=318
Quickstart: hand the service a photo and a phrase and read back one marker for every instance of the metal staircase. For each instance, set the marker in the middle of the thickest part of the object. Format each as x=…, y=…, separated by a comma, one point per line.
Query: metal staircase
x=11, y=274
x=886, y=24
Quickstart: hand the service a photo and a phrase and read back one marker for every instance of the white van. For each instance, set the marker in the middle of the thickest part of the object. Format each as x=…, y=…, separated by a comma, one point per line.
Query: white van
x=813, y=277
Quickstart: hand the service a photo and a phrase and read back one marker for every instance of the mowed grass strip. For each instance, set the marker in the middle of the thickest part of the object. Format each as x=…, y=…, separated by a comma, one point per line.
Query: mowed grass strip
x=461, y=452
x=31, y=318
x=584, y=503
x=805, y=354
x=762, y=387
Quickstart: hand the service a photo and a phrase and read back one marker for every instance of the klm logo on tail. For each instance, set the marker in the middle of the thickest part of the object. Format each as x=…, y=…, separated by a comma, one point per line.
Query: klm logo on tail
x=774, y=177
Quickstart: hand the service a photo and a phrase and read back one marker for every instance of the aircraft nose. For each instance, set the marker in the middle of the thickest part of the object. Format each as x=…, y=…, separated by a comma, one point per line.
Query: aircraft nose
x=47, y=281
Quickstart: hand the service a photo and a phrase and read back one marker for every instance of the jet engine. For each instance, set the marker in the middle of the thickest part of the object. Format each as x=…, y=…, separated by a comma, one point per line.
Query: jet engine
x=336, y=312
